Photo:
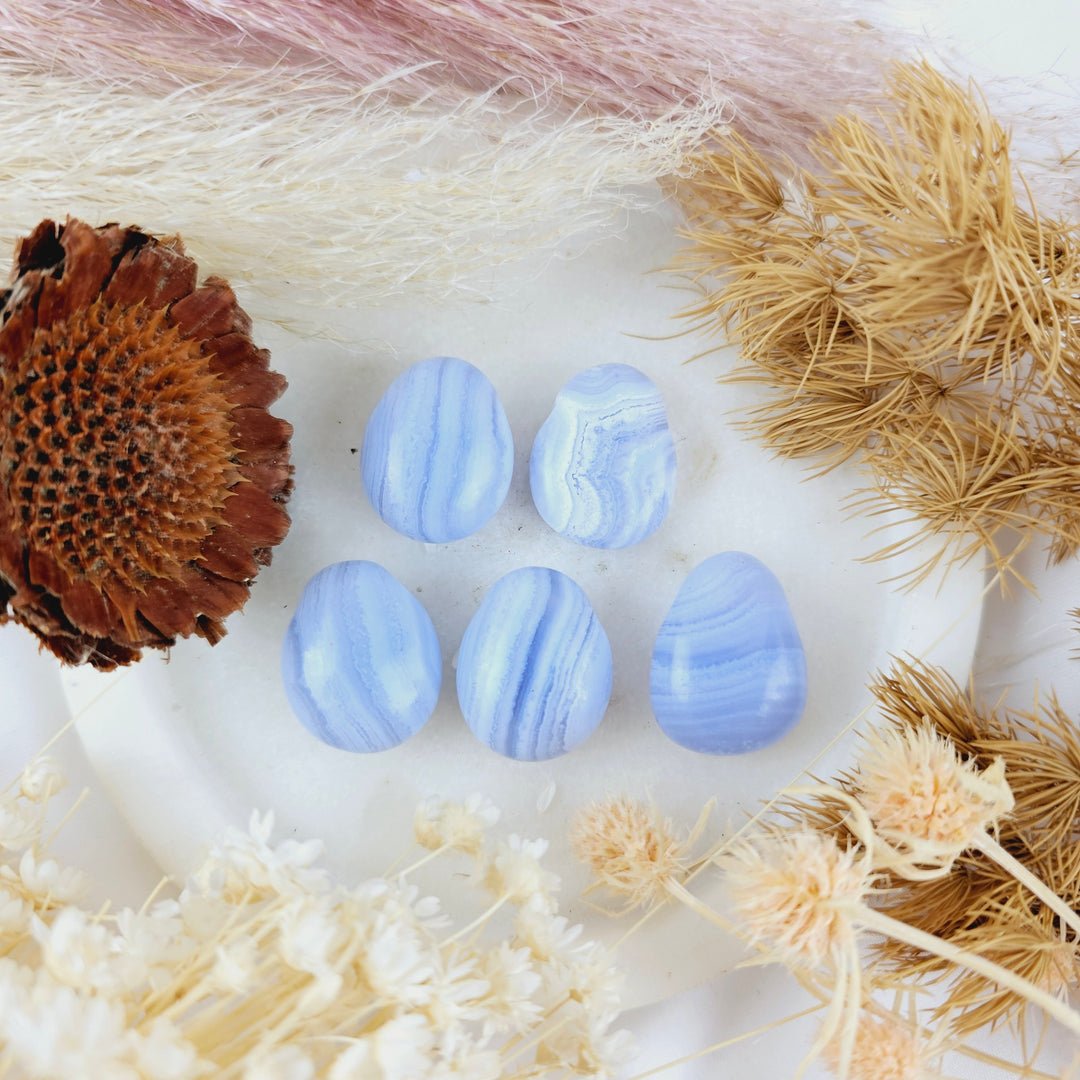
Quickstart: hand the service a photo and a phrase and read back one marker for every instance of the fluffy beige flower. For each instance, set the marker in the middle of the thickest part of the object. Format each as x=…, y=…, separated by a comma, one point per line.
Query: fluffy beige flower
x=795, y=893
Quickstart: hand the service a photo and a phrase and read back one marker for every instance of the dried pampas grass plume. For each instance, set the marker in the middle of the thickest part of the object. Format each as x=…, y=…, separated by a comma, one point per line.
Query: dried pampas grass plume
x=310, y=191
x=911, y=313
x=783, y=66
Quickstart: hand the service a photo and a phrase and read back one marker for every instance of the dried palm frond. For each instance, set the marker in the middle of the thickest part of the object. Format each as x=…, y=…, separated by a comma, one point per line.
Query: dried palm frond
x=912, y=313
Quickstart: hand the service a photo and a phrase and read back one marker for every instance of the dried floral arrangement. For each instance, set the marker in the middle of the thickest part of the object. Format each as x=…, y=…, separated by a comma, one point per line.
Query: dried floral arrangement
x=260, y=967
x=911, y=312
x=376, y=159
x=945, y=860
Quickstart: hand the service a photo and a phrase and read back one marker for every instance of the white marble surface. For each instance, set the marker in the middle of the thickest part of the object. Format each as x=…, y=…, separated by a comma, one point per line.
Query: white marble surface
x=1026, y=641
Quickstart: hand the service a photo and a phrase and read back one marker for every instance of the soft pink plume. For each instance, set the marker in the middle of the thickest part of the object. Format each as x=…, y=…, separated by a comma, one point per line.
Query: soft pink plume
x=783, y=65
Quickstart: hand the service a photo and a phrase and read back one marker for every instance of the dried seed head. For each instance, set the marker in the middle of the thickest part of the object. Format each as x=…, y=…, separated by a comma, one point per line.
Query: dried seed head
x=630, y=848
x=141, y=477
x=794, y=893
x=884, y=1050
x=919, y=793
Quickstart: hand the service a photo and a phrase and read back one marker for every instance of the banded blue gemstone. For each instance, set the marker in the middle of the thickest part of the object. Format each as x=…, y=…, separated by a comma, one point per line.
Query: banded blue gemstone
x=438, y=455
x=728, y=671
x=361, y=660
x=534, y=670
x=602, y=469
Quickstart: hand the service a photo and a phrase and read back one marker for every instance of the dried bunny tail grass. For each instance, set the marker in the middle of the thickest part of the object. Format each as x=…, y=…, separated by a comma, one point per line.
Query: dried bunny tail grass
x=318, y=193
x=910, y=312
x=632, y=849
x=784, y=65
x=886, y=1049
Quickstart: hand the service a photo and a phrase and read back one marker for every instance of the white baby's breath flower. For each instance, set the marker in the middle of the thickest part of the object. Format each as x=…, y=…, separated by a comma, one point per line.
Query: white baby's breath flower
x=515, y=873
x=42, y=779
x=458, y=992
x=153, y=943
x=590, y=977
x=401, y=1049
x=47, y=883
x=164, y=1054
x=20, y=823
x=78, y=952
x=513, y=982
x=310, y=935
x=583, y=1042
x=460, y=826
x=396, y=964
x=49, y=1030
x=234, y=966
x=14, y=914
x=461, y=1057
x=251, y=865
x=281, y=1063
x=547, y=935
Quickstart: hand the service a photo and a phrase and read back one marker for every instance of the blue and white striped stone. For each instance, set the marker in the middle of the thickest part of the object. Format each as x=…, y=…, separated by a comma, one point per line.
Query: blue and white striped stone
x=602, y=469
x=534, y=669
x=438, y=454
x=728, y=671
x=361, y=660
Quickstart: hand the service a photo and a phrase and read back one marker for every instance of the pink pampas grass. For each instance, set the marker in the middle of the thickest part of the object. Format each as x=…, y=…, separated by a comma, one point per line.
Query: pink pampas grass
x=784, y=65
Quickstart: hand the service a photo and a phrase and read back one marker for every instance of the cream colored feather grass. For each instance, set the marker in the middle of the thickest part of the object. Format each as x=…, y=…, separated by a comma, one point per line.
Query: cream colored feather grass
x=318, y=194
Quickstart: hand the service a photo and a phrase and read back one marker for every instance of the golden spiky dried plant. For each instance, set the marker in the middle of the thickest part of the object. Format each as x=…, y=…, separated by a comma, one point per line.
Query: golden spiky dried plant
x=911, y=312
x=979, y=906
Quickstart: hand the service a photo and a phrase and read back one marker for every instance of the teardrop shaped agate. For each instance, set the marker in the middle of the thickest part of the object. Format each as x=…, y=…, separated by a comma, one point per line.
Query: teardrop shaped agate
x=602, y=468
x=361, y=660
x=728, y=670
x=438, y=454
x=534, y=669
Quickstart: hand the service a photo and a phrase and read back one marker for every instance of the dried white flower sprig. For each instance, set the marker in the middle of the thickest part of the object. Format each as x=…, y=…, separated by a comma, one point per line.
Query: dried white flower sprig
x=262, y=968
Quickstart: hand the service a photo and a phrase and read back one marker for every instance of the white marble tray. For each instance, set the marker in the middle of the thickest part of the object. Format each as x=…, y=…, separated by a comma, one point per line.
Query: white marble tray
x=189, y=744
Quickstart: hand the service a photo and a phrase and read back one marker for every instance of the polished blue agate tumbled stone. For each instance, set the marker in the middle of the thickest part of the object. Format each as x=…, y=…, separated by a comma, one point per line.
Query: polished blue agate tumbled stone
x=602, y=469
x=361, y=660
x=728, y=671
x=438, y=455
x=534, y=670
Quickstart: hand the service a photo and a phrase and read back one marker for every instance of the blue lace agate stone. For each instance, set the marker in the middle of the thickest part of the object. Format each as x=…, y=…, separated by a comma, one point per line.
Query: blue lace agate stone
x=603, y=464
x=361, y=660
x=534, y=670
x=728, y=671
x=438, y=454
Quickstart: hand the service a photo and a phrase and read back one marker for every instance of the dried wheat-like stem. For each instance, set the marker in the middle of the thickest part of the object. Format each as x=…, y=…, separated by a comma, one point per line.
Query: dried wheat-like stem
x=911, y=312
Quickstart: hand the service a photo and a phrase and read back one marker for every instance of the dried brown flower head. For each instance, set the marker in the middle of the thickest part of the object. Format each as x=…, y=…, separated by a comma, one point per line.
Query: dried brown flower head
x=910, y=312
x=142, y=480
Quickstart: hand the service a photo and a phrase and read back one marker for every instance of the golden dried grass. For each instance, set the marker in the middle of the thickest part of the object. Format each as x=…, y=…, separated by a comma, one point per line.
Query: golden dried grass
x=910, y=311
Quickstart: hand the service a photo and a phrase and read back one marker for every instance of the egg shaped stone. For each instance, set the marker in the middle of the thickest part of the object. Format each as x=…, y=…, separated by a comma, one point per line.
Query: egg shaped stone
x=534, y=669
x=602, y=469
x=728, y=671
x=438, y=455
x=361, y=660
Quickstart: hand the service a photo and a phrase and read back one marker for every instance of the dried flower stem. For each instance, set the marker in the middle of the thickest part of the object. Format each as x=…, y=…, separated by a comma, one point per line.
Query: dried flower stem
x=884, y=924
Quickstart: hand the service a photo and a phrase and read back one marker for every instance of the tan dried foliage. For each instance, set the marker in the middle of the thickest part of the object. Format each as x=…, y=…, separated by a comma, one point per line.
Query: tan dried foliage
x=911, y=312
x=979, y=906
